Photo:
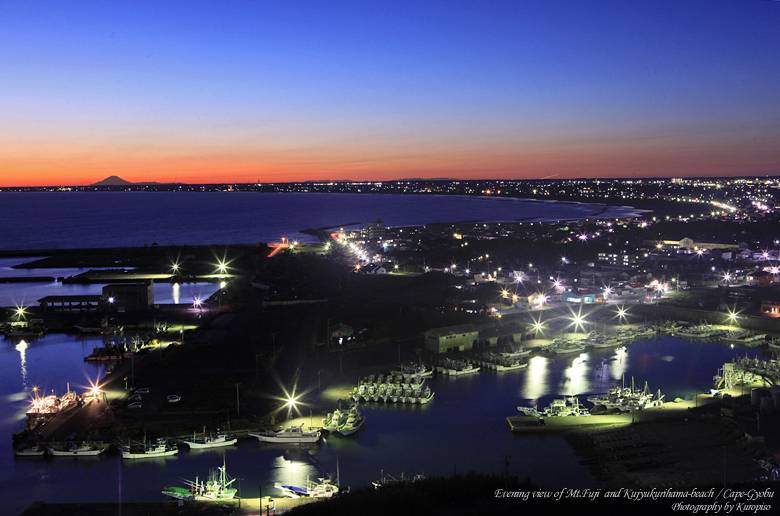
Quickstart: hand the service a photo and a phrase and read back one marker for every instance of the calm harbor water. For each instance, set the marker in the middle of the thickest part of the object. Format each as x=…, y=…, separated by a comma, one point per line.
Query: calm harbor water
x=463, y=428
x=53, y=220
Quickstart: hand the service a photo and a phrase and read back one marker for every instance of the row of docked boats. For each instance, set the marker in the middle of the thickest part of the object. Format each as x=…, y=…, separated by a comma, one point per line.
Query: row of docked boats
x=132, y=450
x=560, y=346
x=746, y=371
x=392, y=389
x=616, y=400
x=61, y=449
x=626, y=399
x=708, y=331
x=559, y=407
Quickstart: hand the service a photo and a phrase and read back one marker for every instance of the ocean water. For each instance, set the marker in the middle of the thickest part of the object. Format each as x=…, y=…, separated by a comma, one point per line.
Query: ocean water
x=51, y=220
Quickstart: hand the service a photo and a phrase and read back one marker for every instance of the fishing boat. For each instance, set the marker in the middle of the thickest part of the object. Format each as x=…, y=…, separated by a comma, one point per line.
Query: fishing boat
x=426, y=396
x=221, y=439
x=217, y=487
x=322, y=489
x=84, y=449
x=386, y=480
x=627, y=399
x=567, y=347
x=33, y=450
x=561, y=407
x=353, y=423
x=159, y=448
x=334, y=420
x=516, y=352
x=33, y=328
x=415, y=370
x=292, y=434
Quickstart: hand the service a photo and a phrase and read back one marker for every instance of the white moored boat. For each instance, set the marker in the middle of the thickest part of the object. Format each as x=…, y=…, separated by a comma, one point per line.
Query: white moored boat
x=34, y=450
x=211, y=441
x=353, y=423
x=77, y=449
x=322, y=489
x=160, y=448
x=334, y=420
x=291, y=434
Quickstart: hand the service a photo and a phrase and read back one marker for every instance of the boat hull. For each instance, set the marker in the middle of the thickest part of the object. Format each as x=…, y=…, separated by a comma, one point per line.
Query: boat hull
x=148, y=455
x=197, y=445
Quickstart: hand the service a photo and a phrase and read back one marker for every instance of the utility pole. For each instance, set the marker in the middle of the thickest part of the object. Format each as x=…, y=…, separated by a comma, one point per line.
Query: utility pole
x=506, y=468
x=238, y=406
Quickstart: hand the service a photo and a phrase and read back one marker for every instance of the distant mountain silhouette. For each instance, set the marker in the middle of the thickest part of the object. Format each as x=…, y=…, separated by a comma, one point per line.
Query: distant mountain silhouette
x=112, y=181
x=118, y=181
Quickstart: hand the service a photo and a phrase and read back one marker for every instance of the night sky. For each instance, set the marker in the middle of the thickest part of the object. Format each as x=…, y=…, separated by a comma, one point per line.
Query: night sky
x=214, y=92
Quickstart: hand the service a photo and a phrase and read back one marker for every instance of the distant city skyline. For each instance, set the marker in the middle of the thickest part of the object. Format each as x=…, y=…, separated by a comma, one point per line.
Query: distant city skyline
x=245, y=92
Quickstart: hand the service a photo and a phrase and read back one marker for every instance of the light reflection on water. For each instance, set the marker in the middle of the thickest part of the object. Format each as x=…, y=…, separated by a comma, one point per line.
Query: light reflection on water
x=536, y=383
x=22, y=349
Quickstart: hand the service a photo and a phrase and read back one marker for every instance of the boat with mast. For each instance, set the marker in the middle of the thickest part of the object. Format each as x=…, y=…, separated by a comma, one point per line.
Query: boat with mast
x=217, y=487
x=159, y=448
x=353, y=423
x=292, y=435
x=83, y=449
x=219, y=440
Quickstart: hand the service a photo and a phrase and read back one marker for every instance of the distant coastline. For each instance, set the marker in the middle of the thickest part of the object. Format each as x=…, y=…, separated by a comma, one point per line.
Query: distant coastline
x=123, y=219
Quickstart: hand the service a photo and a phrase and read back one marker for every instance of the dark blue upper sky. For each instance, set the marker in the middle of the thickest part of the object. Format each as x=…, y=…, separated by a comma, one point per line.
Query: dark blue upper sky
x=275, y=91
